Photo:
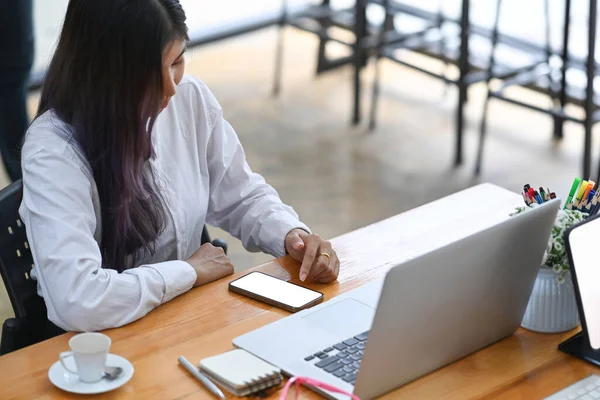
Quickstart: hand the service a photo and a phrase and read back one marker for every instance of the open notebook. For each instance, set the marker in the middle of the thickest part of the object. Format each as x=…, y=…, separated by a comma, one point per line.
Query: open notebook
x=240, y=372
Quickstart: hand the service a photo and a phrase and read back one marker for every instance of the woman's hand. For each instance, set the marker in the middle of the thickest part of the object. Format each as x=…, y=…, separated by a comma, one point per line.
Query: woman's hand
x=210, y=264
x=319, y=260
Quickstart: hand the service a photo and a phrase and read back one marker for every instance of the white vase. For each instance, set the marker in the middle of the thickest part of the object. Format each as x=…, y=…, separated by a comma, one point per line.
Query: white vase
x=552, y=307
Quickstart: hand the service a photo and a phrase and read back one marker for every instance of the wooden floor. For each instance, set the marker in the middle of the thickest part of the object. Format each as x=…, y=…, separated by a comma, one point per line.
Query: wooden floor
x=340, y=177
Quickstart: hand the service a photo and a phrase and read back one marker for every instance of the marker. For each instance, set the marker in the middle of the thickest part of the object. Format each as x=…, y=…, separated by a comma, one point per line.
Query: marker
x=590, y=186
x=580, y=192
x=538, y=198
x=574, y=187
x=595, y=208
x=543, y=194
x=596, y=197
x=592, y=201
x=595, y=203
x=586, y=200
x=552, y=195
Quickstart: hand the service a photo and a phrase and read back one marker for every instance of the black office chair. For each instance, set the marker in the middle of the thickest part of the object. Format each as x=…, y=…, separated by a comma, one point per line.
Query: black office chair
x=30, y=324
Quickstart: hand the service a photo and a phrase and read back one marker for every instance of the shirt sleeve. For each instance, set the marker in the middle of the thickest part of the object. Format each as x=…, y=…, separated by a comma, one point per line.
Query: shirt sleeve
x=241, y=202
x=58, y=211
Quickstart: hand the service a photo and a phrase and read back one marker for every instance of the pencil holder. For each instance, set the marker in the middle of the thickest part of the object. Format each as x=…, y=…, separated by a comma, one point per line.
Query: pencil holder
x=552, y=307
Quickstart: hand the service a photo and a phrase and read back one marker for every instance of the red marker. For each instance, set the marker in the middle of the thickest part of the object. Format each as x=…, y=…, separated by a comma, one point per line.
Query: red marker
x=531, y=195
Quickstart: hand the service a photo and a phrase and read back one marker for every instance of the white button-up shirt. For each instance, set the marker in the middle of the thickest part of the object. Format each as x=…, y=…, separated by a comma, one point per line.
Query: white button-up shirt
x=203, y=175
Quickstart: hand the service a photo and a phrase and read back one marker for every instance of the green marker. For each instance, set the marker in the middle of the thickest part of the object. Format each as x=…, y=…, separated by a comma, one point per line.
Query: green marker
x=576, y=183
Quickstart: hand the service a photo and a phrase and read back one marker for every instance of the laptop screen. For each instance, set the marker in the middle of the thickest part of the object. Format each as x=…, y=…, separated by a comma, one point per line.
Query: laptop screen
x=582, y=242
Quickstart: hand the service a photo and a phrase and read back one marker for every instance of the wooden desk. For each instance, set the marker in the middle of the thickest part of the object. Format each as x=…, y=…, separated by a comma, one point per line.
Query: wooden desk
x=204, y=322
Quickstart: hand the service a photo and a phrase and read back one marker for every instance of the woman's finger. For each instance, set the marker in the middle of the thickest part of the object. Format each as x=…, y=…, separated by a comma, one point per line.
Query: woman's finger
x=312, y=243
x=331, y=271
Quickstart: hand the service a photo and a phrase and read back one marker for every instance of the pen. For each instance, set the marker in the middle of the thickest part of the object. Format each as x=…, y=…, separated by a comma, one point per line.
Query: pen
x=542, y=194
x=205, y=381
x=526, y=199
x=531, y=194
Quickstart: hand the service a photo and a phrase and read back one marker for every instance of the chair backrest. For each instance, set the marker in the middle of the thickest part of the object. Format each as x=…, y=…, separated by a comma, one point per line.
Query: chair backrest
x=205, y=238
x=16, y=260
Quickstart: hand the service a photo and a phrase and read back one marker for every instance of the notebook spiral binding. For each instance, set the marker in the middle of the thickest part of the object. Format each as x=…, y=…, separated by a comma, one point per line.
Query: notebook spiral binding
x=264, y=382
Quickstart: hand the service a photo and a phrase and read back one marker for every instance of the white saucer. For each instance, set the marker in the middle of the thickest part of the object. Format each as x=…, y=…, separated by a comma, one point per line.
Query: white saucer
x=65, y=380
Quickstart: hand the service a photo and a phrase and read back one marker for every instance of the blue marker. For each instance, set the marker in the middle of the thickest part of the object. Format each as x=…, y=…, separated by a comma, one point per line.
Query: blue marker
x=590, y=204
x=538, y=198
x=592, y=193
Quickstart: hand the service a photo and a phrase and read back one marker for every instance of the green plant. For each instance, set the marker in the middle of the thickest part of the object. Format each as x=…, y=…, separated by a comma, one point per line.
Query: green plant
x=555, y=256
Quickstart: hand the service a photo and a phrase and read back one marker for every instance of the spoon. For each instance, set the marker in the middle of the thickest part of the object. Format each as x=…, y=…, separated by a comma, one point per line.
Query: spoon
x=112, y=373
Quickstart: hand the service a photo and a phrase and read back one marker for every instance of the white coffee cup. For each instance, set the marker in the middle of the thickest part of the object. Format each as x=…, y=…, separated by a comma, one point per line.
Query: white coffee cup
x=89, y=351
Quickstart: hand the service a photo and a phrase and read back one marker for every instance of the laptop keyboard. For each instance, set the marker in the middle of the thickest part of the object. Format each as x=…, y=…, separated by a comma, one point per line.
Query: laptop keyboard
x=343, y=359
x=585, y=389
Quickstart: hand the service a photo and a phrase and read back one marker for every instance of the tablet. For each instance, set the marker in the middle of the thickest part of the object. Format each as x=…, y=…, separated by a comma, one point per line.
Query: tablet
x=582, y=242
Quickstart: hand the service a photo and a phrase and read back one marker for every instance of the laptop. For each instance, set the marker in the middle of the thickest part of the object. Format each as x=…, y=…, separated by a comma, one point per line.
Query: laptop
x=427, y=312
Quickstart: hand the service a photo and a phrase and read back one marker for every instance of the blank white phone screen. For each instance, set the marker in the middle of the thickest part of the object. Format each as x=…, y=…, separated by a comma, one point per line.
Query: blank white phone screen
x=583, y=241
x=276, y=289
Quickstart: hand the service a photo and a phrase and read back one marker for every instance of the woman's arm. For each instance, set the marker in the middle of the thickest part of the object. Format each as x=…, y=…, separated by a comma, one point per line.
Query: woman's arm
x=58, y=212
x=241, y=202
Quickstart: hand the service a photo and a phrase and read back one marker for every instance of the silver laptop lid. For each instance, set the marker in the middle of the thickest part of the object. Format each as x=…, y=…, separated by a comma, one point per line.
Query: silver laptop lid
x=453, y=301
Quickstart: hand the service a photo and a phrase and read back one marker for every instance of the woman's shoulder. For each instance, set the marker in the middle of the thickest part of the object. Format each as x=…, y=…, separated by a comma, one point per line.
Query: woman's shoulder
x=49, y=134
x=194, y=85
x=194, y=93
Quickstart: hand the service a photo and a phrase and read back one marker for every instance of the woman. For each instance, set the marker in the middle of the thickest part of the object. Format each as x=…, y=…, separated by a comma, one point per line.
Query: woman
x=126, y=161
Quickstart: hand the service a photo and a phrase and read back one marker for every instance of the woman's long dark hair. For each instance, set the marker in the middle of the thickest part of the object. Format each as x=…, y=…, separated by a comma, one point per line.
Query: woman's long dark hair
x=105, y=80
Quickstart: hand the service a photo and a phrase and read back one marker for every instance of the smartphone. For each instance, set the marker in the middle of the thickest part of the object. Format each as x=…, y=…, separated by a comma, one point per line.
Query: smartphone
x=276, y=292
